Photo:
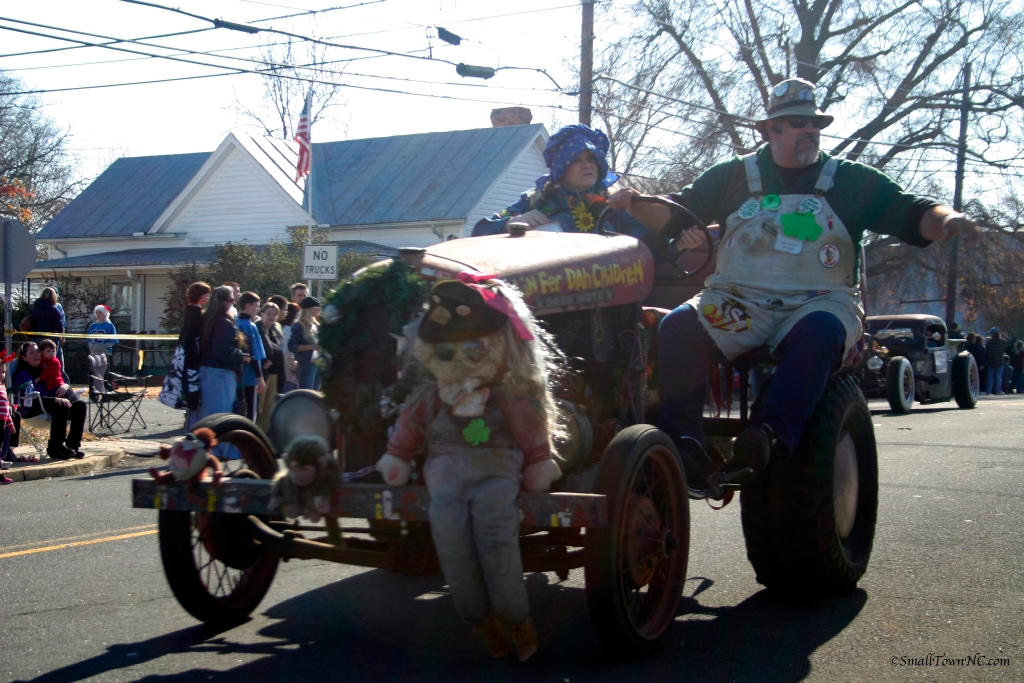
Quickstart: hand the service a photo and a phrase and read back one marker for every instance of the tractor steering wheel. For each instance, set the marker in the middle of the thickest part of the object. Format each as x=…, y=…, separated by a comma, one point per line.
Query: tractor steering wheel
x=660, y=246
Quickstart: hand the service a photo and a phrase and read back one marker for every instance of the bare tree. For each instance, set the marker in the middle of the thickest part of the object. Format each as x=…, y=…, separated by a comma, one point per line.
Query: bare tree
x=37, y=175
x=277, y=113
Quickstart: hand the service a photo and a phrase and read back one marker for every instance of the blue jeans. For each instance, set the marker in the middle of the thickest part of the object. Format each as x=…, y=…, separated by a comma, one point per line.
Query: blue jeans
x=307, y=376
x=994, y=378
x=219, y=388
x=809, y=353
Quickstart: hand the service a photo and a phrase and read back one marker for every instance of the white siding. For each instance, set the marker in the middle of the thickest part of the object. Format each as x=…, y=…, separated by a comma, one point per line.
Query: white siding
x=397, y=236
x=157, y=285
x=520, y=177
x=86, y=248
x=238, y=203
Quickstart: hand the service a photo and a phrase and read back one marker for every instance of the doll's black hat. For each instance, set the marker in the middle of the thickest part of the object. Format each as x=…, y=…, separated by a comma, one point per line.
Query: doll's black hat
x=458, y=312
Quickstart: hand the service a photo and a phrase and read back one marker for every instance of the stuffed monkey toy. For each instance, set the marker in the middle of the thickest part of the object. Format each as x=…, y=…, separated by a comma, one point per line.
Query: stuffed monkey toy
x=486, y=422
x=188, y=461
x=306, y=488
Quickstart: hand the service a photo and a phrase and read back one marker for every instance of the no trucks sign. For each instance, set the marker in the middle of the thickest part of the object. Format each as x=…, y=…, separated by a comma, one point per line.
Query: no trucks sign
x=320, y=262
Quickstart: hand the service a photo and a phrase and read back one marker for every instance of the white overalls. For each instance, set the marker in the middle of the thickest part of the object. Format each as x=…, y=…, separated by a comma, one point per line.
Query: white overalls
x=779, y=259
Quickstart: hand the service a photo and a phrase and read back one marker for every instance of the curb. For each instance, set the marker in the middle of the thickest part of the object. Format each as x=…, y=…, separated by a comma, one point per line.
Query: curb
x=107, y=457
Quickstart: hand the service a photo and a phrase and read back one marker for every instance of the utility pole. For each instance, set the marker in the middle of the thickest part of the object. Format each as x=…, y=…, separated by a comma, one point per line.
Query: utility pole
x=586, y=61
x=958, y=196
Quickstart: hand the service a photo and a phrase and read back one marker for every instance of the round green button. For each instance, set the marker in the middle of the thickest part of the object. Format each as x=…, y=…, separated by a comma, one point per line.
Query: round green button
x=771, y=202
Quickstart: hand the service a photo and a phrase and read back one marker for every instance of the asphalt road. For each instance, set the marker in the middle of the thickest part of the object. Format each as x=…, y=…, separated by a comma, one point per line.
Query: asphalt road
x=946, y=578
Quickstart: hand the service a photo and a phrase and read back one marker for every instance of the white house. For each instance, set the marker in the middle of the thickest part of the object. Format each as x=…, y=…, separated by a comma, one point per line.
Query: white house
x=145, y=215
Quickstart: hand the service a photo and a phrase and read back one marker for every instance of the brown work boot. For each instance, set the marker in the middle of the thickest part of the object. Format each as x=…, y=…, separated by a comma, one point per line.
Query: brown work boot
x=524, y=637
x=494, y=635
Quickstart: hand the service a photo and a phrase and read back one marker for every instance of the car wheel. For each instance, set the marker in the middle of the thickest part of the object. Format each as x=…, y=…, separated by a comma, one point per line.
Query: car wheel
x=966, y=380
x=899, y=384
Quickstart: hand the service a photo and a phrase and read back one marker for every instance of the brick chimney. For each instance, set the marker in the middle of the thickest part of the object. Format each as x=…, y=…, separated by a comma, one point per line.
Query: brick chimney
x=511, y=116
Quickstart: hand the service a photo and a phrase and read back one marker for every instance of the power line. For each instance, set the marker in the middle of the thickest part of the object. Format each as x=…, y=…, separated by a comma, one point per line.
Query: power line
x=274, y=65
x=78, y=47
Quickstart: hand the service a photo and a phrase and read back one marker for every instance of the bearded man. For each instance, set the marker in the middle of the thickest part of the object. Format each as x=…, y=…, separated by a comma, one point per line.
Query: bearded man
x=792, y=220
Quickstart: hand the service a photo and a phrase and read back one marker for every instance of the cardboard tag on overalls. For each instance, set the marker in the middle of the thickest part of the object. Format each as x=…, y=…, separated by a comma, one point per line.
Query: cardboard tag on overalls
x=788, y=245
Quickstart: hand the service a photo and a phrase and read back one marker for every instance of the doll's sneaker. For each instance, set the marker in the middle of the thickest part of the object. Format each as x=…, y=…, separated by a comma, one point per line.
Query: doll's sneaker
x=495, y=637
x=524, y=637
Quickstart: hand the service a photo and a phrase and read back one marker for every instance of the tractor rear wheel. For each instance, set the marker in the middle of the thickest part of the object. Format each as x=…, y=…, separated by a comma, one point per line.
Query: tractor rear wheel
x=809, y=520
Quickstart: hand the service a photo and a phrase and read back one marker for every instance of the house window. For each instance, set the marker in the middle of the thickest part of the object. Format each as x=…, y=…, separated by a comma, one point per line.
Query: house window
x=122, y=303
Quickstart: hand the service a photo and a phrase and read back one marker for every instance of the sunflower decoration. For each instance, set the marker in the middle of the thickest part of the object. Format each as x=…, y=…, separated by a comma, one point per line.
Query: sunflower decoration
x=585, y=210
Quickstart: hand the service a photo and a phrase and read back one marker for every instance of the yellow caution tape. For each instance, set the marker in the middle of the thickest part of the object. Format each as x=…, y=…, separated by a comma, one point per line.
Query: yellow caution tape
x=97, y=335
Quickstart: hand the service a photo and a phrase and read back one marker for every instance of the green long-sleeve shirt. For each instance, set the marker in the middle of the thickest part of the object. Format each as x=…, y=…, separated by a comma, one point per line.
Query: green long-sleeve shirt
x=862, y=197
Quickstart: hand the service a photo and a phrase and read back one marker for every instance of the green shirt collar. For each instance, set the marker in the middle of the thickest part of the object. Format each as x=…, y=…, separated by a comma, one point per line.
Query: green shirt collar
x=772, y=178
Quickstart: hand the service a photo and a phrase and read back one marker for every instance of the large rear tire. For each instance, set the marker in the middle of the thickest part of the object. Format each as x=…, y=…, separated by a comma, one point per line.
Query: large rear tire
x=809, y=520
x=899, y=385
x=635, y=568
x=966, y=380
x=215, y=570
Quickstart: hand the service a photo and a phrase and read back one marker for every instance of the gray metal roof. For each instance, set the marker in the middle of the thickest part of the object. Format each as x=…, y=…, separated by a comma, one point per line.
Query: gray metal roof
x=400, y=179
x=405, y=178
x=126, y=198
x=130, y=258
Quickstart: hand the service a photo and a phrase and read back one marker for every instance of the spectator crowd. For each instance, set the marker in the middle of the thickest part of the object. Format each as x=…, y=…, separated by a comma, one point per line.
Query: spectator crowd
x=239, y=353
x=1000, y=362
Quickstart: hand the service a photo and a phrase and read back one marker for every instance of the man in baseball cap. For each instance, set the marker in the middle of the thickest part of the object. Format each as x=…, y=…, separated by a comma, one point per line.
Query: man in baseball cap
x=792, y=220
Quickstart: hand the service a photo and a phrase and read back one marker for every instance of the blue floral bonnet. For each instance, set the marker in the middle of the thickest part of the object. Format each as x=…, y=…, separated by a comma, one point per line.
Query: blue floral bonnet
x=565, y=145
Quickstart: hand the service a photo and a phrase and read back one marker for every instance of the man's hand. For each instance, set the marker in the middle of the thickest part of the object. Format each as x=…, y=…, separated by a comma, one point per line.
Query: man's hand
x=940, y=223
x=959, y=224
x=531, y=219
x=690, y=239
x=62, y=402
x=261, y=385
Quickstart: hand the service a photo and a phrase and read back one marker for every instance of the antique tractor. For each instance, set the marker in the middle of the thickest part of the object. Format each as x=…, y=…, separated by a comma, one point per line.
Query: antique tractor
x=621, y=509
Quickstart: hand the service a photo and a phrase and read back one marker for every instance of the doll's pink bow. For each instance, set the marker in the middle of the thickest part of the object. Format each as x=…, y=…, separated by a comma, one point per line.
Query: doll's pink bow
x=496, y=301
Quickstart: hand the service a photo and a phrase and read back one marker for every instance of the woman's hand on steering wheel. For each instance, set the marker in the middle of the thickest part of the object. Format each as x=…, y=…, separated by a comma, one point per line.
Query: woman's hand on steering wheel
x=531, y=219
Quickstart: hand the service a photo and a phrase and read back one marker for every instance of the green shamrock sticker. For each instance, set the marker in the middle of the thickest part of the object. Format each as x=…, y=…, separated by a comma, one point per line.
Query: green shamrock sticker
x=801, y=226
x=477, y=432
x=771, y=202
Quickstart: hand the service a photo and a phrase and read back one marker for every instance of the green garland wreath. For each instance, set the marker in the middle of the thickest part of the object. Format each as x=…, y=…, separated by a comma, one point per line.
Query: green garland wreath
x=398, y=291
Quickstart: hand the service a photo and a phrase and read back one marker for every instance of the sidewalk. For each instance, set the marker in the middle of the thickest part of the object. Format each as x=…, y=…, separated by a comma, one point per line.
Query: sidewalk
x=98, y=455
x=103, y=449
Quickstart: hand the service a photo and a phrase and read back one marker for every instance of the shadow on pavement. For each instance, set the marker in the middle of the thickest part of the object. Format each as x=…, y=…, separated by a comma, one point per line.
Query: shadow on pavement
x=378, y=626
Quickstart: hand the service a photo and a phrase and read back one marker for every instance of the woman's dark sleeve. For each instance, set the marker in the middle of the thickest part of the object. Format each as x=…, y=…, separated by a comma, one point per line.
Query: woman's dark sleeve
x=298, y=337
x=226, y=353
x=495, y=225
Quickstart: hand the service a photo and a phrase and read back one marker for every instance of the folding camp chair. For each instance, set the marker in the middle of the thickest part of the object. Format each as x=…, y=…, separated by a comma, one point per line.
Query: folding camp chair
x=27, y=396
x=114, y=398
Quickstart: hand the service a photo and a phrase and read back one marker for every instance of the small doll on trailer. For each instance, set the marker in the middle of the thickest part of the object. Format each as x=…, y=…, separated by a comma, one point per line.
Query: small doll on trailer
x=188, y=461
x=306, y=487
x=487, y=419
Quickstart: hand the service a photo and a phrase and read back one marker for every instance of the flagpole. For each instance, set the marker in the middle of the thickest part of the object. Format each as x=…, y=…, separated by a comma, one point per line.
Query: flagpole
x=309, y=177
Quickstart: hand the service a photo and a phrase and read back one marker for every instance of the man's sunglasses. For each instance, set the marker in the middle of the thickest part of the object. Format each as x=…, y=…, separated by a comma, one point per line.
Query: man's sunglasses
x=798, y=122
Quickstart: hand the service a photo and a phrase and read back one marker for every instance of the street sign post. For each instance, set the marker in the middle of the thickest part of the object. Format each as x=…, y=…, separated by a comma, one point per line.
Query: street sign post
x=320, y=262
x=18, y=260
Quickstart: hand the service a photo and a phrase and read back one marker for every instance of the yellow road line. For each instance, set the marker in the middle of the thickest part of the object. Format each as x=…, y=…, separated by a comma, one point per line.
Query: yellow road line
x=80, y=537
x=79, y=543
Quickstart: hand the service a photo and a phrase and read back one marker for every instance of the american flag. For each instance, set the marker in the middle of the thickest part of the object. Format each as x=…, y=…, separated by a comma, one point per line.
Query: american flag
x=302, y=137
